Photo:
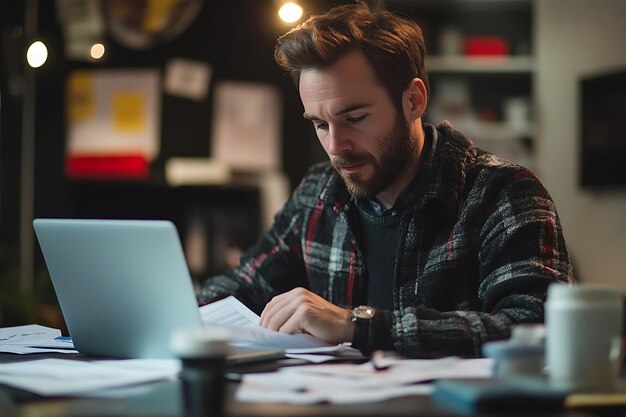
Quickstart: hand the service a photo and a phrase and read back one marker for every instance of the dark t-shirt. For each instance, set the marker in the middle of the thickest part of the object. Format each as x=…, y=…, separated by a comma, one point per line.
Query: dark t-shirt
x=379, y=240
x=378, y=230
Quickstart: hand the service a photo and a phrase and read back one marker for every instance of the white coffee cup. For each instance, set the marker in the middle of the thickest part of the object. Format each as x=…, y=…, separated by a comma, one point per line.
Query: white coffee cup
x=584, y=337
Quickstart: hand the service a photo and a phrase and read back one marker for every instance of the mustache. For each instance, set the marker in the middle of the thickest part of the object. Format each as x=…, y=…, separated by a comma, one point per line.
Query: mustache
x=348, y=160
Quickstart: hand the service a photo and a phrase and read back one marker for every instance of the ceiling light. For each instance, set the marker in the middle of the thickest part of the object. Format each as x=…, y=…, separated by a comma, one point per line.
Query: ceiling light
x=97, y=51
x=37, y=54
x=290, y=12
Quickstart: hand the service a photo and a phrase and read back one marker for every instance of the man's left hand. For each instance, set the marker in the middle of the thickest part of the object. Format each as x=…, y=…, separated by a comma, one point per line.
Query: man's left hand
x=301, y=311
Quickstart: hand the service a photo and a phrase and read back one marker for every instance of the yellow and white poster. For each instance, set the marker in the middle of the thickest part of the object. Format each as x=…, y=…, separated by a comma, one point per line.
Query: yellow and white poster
x=112, y=114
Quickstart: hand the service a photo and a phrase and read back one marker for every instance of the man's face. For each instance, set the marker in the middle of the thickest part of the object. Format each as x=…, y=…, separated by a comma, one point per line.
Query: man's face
x=368, y=141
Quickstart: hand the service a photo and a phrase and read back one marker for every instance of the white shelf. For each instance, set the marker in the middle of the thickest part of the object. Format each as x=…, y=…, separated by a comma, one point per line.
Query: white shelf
x=492, y=131
x=498, y=131
x=464, y=64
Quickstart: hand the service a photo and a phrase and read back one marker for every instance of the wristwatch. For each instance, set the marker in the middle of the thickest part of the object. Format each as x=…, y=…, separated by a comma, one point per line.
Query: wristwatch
x=363, y=314
x=362, y=317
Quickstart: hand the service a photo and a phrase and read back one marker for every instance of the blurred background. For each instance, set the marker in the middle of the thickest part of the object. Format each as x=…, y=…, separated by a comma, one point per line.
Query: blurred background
x=175, y=109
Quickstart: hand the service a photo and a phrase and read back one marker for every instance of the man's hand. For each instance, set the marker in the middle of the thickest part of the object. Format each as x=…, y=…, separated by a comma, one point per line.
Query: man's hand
x=301, y=311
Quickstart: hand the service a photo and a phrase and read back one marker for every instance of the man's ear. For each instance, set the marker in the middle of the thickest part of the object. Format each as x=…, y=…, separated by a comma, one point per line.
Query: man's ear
x=414, y=100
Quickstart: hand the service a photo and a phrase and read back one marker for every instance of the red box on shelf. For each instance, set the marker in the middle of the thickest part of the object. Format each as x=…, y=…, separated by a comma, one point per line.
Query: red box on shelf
x=486, y=46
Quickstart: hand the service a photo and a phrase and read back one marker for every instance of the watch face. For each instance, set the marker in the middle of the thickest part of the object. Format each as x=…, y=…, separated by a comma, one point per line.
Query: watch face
x=364, y=312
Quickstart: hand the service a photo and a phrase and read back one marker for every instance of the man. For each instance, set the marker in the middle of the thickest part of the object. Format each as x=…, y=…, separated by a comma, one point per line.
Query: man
x=411, y=238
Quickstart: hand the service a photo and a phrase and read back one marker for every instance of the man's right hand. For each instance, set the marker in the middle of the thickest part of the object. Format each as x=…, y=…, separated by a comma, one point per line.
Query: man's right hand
x=301, y=311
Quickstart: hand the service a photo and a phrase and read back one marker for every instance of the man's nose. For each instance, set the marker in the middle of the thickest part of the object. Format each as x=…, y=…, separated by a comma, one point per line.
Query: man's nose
x=338, y=143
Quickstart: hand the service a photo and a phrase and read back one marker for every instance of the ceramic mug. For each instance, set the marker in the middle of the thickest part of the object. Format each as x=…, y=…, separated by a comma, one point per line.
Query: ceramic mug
x=584, y=337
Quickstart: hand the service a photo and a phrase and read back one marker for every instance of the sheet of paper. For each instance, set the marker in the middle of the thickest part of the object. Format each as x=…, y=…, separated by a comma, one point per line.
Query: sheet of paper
x=350, y=383
x=311, y=357
x=402, y=371
x=342, y=349
x=261, y=337
x=69, y=377
x=325, y=354
x=34, y=338
x=243, y=325
x=298, y=389
x=26, y=350
x=229, y=311
x=27, y=334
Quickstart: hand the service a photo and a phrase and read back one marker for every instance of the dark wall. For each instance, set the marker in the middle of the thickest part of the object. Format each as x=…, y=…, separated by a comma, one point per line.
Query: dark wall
x=236, y=37
x=10, y=114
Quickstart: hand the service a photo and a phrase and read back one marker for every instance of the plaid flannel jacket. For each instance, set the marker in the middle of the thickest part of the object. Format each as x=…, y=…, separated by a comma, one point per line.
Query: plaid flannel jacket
x=475, y=255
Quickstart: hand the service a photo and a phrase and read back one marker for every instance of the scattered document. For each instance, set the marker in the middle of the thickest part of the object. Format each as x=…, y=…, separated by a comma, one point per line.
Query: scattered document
x=34, y=338
x=70, y=377
x=272, y=388
x=350, y=383
x=27, y=334
x=25, y=350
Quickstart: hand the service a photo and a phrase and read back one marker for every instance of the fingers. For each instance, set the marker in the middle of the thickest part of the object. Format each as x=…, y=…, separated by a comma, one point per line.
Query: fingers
x=293, y=324
x=275, y=304
x=276, y=319
x=326, y=322
x=281, y=307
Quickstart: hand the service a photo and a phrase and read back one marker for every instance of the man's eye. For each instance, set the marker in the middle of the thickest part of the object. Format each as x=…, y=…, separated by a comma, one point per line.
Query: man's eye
x=356, y=119
x=321, y=126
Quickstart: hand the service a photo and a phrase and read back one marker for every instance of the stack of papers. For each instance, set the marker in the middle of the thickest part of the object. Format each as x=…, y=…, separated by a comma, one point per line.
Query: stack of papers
x=34, y=338
x=349, y=383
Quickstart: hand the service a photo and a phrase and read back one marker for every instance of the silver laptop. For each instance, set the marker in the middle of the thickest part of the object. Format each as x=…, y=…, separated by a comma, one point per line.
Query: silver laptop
x=123, y=286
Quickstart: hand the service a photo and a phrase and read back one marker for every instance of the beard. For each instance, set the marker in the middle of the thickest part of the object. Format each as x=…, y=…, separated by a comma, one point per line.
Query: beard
x=396, y=149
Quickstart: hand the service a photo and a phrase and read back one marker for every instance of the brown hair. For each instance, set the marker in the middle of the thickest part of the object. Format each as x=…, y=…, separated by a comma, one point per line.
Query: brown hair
x=392, y=45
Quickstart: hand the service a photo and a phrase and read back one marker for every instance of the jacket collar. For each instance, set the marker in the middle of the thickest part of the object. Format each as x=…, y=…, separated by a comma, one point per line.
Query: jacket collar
x=452, y=158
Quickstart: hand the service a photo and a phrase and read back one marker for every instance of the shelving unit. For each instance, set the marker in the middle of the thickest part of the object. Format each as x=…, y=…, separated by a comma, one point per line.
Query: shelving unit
x=487, y=98
x=480, y=65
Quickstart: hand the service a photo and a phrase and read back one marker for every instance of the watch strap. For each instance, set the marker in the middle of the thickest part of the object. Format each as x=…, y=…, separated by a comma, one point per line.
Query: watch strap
x=375, y=333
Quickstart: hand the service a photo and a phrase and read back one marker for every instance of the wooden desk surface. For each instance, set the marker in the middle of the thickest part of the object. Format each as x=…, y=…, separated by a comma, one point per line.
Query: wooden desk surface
x=163, y=399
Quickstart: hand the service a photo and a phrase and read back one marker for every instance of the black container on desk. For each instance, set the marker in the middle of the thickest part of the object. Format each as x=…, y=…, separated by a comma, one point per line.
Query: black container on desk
x=202, y=352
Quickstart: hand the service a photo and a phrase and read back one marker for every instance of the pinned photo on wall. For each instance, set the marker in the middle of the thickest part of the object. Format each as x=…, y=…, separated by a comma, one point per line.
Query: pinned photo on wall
x=187, y=79
x=247, y=126
x=113, y=123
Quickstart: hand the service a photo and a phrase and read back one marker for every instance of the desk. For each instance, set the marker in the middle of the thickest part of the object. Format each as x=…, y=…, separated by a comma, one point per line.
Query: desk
x=163, y=399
